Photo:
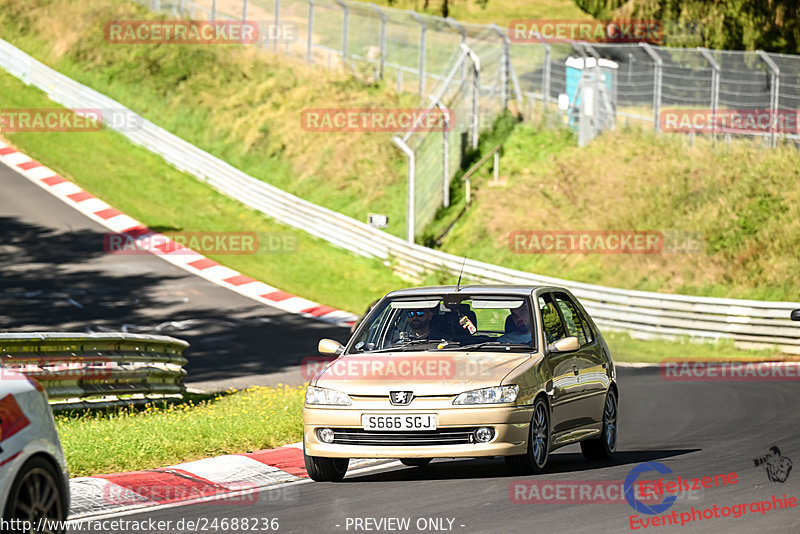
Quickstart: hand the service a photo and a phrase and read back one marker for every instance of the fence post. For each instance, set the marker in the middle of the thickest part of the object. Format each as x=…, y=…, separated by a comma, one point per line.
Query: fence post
x=446, y=154
x=504, y=61
x=382, y=15
x=410, y=191
x=657, y=80
x=213, y=10
x=422, y=45
x=476, y=89
x=310, y=30
x=714, y=89
x=345, y=29
x=277, y=21
x=453, y=24
x=774, y=94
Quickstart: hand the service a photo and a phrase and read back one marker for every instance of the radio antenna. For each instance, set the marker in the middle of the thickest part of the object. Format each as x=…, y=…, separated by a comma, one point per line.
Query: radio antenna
x=458, y=285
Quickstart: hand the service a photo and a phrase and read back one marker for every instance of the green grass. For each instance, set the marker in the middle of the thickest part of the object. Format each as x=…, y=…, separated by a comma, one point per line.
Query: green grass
x=624, y=348
x=144, y=186
x=165, y=433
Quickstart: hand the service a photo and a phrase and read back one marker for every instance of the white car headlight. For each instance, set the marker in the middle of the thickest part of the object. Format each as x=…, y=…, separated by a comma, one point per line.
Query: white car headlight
x=495, y=395
x=326, y=397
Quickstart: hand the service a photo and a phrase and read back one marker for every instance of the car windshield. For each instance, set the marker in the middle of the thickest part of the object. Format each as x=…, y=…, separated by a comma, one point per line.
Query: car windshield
x=446, y=323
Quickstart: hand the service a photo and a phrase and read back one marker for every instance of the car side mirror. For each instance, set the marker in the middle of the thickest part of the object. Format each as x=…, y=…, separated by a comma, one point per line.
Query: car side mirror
x=330, y=347
x=565, y=344
x=795, y=315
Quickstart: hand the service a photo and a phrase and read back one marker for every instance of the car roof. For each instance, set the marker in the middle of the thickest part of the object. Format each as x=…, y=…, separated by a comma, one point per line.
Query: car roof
x=496, y=289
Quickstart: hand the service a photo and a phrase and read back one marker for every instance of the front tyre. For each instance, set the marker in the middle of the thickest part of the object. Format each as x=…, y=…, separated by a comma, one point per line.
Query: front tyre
x=326, y=469
x=37, y=498
x=535, y=459
x=606, y=445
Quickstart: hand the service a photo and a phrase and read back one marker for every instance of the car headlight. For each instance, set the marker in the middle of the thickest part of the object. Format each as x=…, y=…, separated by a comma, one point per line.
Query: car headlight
x=326, y=397
x=495, y=395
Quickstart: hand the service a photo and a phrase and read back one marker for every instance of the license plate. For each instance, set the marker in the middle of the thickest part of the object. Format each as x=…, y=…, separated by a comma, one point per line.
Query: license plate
x=384, y=422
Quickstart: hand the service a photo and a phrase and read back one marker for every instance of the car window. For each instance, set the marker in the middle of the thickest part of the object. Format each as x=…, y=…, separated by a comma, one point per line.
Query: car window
x=551, y=322
x=575, y=323
x=407, y=324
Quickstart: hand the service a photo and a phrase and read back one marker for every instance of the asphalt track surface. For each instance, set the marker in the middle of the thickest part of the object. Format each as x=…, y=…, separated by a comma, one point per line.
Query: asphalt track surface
x=55, y=276
x=696, y=429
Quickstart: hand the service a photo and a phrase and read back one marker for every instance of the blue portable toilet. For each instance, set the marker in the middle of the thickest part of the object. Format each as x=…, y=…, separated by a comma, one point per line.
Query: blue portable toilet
x=575, y=69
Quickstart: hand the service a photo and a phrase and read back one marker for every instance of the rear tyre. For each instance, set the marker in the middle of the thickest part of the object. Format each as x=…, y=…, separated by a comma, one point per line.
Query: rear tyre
x=606, y=445
x=36, y=497
x=534, y=461
x=416, y=462
x=326, y=469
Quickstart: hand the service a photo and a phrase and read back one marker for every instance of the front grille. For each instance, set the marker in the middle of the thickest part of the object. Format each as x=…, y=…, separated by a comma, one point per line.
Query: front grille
x=444, y=436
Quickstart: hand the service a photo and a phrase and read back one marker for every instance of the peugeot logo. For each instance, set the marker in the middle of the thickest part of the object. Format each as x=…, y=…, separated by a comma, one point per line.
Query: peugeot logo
x=400, y=397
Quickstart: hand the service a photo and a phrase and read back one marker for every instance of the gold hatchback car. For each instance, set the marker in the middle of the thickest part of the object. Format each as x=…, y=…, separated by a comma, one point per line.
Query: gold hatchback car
x=470, y=371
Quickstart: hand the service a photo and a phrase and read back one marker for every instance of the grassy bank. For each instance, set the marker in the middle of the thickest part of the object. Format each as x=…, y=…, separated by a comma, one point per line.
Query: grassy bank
x=238, y=103
x=161, y=434
x=740, y=203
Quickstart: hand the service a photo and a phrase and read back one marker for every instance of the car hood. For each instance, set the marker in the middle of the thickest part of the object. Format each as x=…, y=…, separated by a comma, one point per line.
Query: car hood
x=426, y=373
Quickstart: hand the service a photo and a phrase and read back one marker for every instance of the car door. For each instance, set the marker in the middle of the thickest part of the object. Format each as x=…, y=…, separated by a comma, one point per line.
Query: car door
x=589, y=361
x=560, y=367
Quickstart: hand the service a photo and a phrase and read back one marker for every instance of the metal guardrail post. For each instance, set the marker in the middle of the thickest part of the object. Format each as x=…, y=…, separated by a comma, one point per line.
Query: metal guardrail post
x=714, y=89
x=382, y=15
x=453, y=24
x=774, y=94
x=503, y=64
x=410, y=190
x=658, y=75
x=244, y=10
x=277, y=25
x=310, y=30
x=423, y=36
x=345, y=28
x=213, y=10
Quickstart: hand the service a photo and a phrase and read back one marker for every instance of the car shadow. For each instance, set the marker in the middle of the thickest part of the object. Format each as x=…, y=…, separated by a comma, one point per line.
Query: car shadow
x=475, y=468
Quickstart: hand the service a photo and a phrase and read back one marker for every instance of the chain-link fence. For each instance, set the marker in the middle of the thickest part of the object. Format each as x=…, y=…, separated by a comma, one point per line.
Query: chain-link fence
x=477, y=72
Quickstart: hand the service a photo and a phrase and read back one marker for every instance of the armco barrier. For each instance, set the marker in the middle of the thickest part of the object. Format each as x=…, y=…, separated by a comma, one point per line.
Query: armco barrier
x=749, y=323
x=111, y=367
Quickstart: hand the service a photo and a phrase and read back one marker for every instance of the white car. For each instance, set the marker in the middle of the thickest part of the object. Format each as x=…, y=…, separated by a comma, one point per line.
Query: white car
x=34, y=482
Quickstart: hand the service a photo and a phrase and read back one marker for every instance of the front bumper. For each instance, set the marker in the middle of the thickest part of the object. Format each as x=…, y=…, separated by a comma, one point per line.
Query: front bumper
x=510, y=423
